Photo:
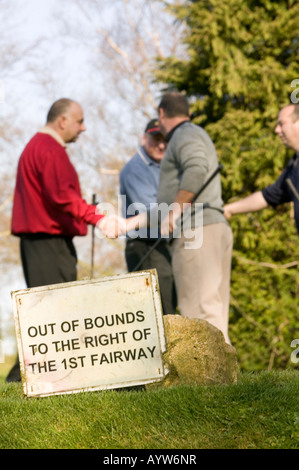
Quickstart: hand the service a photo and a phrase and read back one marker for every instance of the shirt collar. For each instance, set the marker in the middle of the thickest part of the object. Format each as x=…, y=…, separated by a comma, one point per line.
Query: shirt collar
x=170, y=133
x=48, y=130
x=145, y=158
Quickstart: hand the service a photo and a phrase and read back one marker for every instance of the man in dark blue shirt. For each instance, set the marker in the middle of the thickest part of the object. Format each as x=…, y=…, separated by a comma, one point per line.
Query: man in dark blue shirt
x=286, y=188
x=139, y=180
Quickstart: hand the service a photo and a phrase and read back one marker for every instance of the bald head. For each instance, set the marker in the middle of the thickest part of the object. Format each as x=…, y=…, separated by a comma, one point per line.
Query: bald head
x=58, y=108
x=66, y=117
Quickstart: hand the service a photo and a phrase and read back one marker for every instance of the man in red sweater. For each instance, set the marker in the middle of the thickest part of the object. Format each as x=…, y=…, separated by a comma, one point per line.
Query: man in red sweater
x=48, y=210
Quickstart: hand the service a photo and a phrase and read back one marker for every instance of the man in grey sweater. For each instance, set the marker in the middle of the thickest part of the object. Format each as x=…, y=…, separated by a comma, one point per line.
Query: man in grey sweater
x=201, y=268
x=201, y=252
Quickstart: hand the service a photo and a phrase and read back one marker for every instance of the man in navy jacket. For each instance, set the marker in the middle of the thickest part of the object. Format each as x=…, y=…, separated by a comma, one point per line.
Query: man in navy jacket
x=286, y=188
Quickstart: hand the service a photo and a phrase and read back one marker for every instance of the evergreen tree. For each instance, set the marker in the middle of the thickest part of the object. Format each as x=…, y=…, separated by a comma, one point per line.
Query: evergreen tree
x=241, y=65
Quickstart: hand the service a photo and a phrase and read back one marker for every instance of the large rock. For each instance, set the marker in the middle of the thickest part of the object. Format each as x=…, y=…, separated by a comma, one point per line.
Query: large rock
x=197, y=353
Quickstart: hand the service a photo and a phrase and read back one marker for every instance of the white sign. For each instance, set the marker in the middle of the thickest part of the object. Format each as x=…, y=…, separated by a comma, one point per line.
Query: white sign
x=90, y=335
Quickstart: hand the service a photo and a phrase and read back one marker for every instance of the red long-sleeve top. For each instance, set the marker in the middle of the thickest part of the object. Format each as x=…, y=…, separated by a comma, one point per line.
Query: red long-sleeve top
x=47, y=196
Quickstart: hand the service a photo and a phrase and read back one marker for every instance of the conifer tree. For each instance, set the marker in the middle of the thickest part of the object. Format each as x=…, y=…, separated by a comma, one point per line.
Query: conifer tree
x=241, y=65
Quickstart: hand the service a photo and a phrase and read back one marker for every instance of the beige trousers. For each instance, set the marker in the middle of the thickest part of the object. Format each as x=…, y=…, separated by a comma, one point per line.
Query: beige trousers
x=202, y=274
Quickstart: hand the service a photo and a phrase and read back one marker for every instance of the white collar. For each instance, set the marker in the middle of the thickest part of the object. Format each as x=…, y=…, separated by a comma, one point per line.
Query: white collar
x=48, y=130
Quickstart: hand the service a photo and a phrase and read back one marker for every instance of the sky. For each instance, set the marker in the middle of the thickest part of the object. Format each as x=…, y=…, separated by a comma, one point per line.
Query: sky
x=28, y=103
x=57, y=67
x=14, y=86
x=60, y=66
x=37, y=25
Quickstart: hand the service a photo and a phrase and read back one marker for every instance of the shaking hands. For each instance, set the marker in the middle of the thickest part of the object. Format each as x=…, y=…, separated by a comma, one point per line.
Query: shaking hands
x=113, y=226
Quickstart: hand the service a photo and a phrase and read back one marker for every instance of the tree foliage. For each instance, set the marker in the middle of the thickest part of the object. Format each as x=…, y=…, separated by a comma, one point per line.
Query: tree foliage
x=240, y=67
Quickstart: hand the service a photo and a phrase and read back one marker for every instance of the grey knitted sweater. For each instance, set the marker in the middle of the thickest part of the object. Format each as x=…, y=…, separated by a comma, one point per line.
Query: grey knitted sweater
x=189, y=161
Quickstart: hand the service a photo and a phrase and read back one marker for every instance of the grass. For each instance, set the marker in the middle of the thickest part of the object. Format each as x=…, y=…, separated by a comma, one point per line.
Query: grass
x=260, y=412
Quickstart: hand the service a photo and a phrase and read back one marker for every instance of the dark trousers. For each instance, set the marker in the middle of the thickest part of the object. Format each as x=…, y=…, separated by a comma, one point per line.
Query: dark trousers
x=46, y=260
x=159, y=258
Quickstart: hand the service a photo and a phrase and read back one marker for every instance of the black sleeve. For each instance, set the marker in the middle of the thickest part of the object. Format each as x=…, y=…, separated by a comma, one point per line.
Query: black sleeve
x=279, y=192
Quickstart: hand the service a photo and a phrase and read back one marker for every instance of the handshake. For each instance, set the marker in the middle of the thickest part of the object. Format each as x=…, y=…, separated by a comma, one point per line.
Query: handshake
x=114, y=226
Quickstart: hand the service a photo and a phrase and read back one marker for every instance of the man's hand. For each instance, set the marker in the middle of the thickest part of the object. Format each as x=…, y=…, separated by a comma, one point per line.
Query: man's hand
x=252, y=203
x=112, y=226
x=226, y=212
x=170, y=222
x=172, y=219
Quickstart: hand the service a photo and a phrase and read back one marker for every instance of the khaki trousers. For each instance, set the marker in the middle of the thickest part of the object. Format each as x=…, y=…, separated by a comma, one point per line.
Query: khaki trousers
x=202, y=274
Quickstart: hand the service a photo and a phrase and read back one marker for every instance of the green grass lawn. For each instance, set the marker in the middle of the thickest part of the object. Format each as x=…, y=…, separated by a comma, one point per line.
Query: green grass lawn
x=260, y=412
